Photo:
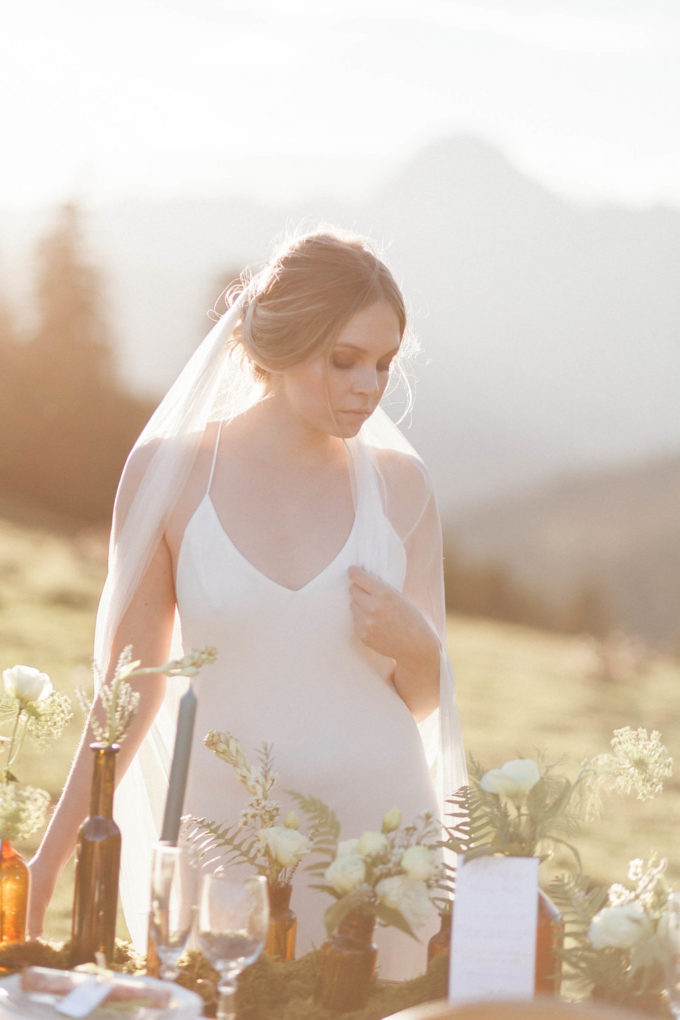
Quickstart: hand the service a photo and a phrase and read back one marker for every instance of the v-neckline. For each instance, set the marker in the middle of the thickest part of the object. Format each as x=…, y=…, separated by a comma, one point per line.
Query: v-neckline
x=354, y=484
x=266, y=577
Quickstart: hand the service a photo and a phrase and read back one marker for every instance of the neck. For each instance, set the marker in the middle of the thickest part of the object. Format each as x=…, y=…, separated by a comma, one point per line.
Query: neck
x=274, y=434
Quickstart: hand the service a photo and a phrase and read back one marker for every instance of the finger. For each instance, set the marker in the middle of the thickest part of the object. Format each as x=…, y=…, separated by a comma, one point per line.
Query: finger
x=361, y=624
x=360, y=597
x=362, y=578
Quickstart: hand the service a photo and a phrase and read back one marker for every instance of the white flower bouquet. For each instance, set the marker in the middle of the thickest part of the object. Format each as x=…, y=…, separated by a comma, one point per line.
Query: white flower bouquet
x=523, y=808
x=391, y=874
x=616, y=936
x=273, y=847
x=30, y=707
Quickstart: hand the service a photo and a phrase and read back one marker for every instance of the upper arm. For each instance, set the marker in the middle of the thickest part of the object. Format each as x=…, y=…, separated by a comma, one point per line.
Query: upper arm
x=412, y=509
x=148, y=621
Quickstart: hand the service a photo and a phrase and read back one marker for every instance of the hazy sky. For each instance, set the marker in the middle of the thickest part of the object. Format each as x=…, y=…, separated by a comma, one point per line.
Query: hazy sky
x=275, y=98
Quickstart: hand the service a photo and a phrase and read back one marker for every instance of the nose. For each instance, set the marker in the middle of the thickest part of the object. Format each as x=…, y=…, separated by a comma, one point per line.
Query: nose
x=367, y=380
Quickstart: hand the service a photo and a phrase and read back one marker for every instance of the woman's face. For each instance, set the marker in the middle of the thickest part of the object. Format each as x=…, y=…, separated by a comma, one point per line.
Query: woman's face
x=336, y=391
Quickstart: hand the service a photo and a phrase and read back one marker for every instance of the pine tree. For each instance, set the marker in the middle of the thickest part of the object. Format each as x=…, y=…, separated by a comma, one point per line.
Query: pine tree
x=71, y=344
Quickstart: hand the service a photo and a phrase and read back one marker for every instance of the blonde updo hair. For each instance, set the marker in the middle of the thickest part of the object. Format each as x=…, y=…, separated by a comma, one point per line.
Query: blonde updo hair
x=300, y=301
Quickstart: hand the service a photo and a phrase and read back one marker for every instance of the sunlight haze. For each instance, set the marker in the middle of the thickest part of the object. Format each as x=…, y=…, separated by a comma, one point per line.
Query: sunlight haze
x=164, y=98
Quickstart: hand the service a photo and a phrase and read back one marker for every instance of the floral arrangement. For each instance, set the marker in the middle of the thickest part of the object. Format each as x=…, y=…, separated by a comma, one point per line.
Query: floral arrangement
x=616, y=935
x=31, y=707
x=391, y=874
x=272, y=848
x=523, y=807
x=118, y=699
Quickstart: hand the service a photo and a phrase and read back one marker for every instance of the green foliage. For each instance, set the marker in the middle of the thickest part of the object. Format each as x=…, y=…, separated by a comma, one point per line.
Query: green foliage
x=231, y=843
x=323, y=827
x=475, y=819
x=625, y=975
x=238, y=844
x=578, y=900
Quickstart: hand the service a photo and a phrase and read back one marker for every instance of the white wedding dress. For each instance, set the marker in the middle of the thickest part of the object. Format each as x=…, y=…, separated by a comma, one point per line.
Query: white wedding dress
x=291, y=672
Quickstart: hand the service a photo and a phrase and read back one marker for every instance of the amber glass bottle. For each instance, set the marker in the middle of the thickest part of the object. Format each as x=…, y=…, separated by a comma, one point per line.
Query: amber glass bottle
x=95, y=900
x=13, y=894
x=347, y=964
x=549, y=942
x=282, y=924
x=441, y=940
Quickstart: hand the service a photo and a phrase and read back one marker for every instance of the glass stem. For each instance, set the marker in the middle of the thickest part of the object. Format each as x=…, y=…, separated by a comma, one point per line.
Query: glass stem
x=226, y=1007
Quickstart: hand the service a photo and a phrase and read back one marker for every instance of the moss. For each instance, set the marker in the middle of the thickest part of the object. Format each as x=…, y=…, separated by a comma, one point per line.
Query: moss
x=268, y=988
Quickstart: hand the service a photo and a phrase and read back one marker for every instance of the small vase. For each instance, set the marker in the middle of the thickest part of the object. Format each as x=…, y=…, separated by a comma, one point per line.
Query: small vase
x=95, y=900
x=549, y=941
x=441, y=940
x=13, y=894
x=282, y=930
x=347, y=963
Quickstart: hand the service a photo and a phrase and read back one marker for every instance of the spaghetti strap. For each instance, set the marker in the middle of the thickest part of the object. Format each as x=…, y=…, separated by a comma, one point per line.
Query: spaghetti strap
x=214, y=458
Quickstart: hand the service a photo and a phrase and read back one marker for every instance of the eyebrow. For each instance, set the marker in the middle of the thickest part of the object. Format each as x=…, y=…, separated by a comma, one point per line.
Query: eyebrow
x=362, y=350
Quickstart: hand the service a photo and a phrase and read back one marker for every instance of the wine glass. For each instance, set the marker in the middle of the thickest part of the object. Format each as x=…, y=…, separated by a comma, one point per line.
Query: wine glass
x=174, y=881
x=233, y=915
x=672, y=953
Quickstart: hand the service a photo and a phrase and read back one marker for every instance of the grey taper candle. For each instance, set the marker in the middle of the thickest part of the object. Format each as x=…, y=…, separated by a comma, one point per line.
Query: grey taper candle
x=180, y=767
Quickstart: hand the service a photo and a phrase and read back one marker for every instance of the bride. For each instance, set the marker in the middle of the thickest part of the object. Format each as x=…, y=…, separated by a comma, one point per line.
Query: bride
x=274, y=511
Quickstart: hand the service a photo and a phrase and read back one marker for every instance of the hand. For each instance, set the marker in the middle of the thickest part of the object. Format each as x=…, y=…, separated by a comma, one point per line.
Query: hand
x=386, y=621
x=41, y=886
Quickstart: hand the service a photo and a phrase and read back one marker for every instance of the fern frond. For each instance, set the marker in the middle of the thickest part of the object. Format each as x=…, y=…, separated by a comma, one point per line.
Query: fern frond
x=475, y=821
x=233, y=844
x=323, y=827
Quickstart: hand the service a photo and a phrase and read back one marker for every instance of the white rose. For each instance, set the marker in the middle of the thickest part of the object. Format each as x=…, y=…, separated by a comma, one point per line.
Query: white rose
x=392, y=820
x=26, y=683
x=513, y=780
x=620, y=926
x=346, y=873
x=371, y=844
x=418, y=862
x=286, y=846
x=347, y=846
x=408, y=896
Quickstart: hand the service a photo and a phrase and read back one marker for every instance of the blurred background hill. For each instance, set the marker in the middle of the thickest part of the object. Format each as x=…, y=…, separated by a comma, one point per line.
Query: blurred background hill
x=545, y=391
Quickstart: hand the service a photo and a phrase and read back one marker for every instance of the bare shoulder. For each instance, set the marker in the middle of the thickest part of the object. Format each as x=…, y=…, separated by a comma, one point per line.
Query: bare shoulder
x=186, y=458
x=400, y=469
x=407, y=488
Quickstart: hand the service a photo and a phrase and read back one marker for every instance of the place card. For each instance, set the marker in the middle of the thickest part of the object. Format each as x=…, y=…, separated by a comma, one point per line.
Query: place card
x=493, y=941
x=84, y=998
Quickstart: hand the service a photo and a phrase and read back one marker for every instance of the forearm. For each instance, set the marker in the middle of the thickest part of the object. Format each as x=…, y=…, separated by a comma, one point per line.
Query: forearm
x=416, y=672
x=60, y=837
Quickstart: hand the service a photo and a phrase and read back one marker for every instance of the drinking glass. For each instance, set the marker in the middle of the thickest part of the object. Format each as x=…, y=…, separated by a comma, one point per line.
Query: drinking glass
x=174, y=880
x=233, y=916
x=672, y=953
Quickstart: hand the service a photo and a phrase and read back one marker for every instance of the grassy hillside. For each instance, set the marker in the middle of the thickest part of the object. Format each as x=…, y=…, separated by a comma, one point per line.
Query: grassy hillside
x=616, y=527
x=520, y=692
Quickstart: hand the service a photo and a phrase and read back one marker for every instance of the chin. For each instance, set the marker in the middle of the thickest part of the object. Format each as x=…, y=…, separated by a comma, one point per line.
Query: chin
x=348, y=431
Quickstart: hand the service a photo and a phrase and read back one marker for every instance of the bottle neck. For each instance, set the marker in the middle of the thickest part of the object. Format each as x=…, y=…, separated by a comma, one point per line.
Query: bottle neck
x=103, y=780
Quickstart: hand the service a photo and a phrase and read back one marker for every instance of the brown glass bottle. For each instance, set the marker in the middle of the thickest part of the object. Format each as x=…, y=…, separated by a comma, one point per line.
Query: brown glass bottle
x=441, y=940
x=280, y=942
x=13, y=894
x=549, y=941
x=347, y=963
x=95, y=900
